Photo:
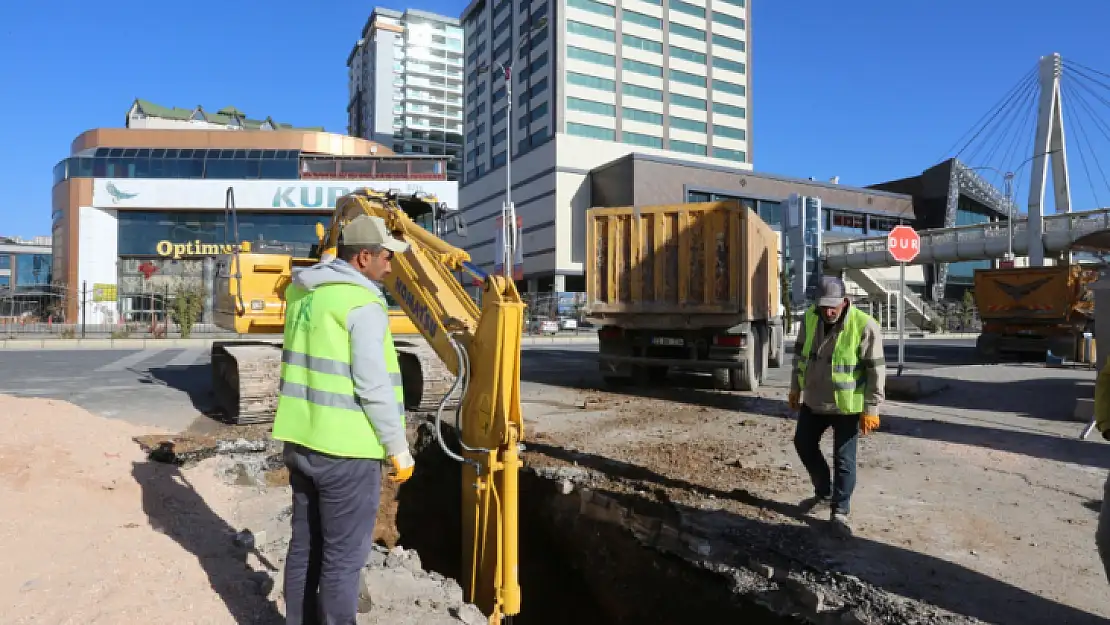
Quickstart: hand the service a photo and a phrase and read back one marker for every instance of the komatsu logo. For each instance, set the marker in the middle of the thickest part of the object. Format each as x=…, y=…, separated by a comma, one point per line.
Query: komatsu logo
x=417, y=310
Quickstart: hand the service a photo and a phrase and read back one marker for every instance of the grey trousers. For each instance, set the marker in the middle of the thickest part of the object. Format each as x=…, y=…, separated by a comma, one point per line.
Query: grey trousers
x=1102, y=534
x=335, y=505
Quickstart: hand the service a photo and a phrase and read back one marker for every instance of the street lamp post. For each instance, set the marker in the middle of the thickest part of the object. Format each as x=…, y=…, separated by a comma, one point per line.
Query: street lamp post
x=508, y=210
x=1008, y=178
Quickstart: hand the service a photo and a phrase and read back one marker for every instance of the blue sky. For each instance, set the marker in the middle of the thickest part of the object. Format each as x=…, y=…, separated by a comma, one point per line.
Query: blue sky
x=868, y=90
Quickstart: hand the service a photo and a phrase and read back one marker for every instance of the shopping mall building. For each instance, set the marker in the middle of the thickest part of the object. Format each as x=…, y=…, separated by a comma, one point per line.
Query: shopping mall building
x=138, y=210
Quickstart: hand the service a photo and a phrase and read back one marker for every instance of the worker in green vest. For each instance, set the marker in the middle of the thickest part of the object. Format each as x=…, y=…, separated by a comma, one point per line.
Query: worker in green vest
x=838, y=382
x=340, y=414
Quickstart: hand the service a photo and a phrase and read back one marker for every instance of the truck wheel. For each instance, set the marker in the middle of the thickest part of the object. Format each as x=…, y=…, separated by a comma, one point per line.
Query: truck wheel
x=721, y=379
x=778, y=347
x=750, y=374
x=986, y=347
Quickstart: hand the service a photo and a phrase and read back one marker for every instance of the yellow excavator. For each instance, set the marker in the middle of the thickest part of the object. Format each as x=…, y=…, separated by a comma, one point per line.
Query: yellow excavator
x=478, y=346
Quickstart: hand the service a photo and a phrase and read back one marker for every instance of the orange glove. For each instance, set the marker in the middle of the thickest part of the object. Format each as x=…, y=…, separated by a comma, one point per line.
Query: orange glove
x=403, y=465
x=794, y=400
x=868, y=423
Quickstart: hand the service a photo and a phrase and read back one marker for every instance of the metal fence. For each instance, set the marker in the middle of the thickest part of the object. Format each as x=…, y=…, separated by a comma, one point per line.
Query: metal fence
x=101, y=311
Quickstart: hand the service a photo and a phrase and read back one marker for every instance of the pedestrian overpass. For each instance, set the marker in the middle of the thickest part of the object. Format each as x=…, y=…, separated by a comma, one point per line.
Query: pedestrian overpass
x=987, y=241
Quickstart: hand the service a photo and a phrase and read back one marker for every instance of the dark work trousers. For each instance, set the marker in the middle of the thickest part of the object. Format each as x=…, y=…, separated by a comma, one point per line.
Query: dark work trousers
x=335, y=504
x=807, y=442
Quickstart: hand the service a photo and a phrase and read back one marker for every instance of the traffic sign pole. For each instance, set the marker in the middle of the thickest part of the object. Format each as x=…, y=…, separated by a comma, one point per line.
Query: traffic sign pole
x=904, y=244
x=901, y=317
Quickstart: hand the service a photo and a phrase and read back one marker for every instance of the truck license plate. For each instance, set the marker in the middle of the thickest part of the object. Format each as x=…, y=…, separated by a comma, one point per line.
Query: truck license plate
x=666, y=340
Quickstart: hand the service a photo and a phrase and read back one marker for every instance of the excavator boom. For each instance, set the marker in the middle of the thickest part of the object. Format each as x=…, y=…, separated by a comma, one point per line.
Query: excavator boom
x=479, y=345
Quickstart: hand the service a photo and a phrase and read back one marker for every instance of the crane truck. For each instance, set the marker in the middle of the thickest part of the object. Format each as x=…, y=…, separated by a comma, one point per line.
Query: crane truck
x=479, y=346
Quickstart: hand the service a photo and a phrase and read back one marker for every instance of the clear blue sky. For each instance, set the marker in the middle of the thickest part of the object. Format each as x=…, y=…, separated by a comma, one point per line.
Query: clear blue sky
x=869, y=90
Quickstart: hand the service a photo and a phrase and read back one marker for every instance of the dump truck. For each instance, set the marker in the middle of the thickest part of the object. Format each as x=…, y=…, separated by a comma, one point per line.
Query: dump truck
x=690, y=286
x=1034, y=310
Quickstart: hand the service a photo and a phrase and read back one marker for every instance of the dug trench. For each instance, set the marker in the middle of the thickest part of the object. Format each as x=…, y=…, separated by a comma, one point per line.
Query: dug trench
x=585, y=556
x=598, y=544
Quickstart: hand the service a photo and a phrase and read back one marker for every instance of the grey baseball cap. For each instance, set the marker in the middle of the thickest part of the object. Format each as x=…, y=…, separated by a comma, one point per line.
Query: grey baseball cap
x=370, y=230
x=831, y=291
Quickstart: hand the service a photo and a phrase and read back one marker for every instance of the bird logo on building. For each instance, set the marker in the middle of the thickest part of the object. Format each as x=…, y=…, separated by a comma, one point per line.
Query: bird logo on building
x=117, y=195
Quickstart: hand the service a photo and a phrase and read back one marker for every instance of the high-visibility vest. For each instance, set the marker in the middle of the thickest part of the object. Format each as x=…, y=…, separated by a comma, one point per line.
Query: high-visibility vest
x=847, y=370
x=317, y=406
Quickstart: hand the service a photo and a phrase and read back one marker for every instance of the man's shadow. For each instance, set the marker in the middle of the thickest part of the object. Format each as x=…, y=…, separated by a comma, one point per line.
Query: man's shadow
x=175, y=509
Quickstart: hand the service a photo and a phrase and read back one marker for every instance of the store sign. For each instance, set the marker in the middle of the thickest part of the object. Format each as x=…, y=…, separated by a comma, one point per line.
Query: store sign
x=177, y=251
x=148, y=193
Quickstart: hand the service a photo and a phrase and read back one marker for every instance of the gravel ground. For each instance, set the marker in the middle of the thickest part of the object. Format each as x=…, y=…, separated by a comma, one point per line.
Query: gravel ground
x=95, y=531
x=960, y=513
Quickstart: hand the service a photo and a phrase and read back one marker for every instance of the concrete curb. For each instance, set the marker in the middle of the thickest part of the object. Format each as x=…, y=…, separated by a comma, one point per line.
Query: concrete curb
x=28, y=344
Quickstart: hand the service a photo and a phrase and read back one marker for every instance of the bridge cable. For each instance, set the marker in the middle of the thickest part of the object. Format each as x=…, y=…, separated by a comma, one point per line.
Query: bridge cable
x=1031, y=74
x=1076, y=129
x=1009, y=120
x=1029, y=80
x=1069, y=85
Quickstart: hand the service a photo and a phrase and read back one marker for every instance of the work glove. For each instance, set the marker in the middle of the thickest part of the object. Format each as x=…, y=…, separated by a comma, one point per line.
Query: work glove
x=794, y=400
x=403, y=465
x=868, y=423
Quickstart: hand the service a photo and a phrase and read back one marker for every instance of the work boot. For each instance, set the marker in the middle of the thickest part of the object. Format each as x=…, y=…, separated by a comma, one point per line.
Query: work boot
x=813, y=503
x=840, y=525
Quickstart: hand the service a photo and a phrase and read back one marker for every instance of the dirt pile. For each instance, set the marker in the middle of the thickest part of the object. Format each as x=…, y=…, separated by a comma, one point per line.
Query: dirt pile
x=94, y=532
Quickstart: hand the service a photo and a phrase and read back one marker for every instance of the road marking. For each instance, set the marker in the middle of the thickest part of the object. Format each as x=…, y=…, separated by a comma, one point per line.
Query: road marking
x=122, y=364
x=187, y=358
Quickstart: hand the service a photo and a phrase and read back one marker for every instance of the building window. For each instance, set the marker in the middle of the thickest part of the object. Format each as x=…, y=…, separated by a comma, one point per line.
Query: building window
x=636, y=138
x=729, y=132
x=593, y=7
x=688, y=55
x=592, y=132
x=728, y=20
x=678, y=99
x=728, y=42
x=731, y=155
x=589, y=106
x=639, y=43
x=688, y=78
x=689, y=9
x=646, y=93
x=646, y=117
x=688, y=147
x=687, y=31
x=852, y=223
x=592, y=82
x=590, y=56
x=641, y=19
x=881, y=225
x=729, y=109
x=640, y=67
x=725, y=64
x=588, y=30
x=687, y=124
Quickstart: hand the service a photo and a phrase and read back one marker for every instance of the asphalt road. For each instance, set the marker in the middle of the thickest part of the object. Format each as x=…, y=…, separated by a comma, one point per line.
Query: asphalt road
x=166, y=388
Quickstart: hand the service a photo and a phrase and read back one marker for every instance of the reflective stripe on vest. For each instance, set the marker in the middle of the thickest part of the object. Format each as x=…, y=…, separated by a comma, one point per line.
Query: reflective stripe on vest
x=317, y=403
x=847, y=369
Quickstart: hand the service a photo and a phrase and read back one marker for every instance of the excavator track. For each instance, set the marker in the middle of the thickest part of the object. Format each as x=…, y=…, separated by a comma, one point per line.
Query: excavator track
x=246, y=375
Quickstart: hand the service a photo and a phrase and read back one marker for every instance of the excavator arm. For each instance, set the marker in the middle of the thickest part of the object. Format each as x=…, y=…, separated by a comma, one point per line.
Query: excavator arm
x=481, y=346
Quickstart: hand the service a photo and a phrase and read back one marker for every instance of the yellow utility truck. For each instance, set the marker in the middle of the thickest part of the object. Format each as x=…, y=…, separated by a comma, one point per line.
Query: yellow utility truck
x=684, y=286
x=1032, y=310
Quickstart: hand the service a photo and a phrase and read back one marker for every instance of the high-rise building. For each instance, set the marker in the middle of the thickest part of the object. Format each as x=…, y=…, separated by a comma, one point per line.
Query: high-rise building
x=405, y=77
x=592, y=81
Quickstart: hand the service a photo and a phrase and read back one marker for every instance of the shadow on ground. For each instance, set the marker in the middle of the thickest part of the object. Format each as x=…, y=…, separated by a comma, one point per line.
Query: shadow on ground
x=899, y=571
x=175, y=509
x=193, y=380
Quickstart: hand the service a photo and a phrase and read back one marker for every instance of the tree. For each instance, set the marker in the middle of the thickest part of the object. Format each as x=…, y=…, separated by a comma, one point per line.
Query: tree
x=967, y=309
x=188, y=304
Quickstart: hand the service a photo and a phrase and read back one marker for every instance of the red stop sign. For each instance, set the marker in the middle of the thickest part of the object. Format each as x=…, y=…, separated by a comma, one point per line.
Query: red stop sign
x=903, y=243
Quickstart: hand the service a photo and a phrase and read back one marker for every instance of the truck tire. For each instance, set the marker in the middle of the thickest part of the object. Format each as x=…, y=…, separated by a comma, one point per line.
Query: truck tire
x=986, y=347
x=778, y=347
x=751, y=372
